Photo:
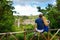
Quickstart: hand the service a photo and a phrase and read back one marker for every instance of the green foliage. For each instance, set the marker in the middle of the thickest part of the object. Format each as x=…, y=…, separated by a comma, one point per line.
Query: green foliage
x=54, y=19
x=20, y=36
x=29, y=27
x=58, y=4
x=39, y=9
x=6, y=16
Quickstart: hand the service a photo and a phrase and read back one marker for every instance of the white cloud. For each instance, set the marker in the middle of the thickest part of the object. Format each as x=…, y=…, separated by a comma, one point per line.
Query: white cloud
x=26, y=10
x=28, y=7
x=54, y=3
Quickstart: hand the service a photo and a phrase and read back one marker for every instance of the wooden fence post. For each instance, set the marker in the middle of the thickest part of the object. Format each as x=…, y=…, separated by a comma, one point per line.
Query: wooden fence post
x=59, y=37
x=7, y=36
x=48, y=35
x=24, y=34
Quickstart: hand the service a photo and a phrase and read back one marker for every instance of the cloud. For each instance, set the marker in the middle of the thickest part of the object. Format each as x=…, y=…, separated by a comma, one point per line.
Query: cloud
x=41, y=3
x=54, y=3
x=28, y=7
x=26, y=10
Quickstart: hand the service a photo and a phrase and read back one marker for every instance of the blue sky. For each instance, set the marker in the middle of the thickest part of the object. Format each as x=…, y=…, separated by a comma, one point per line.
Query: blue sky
x=29, y=5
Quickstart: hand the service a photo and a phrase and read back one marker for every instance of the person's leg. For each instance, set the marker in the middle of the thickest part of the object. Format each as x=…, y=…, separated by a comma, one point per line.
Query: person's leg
x=46, y=28
x=43, y=36
x=34, y=35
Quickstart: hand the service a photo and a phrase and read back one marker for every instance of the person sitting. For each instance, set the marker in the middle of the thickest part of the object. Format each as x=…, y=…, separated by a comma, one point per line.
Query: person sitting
x=46, y=24
x=41, y=24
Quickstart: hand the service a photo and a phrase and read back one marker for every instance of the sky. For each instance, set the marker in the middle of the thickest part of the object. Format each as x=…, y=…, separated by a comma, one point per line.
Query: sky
x=28, y=7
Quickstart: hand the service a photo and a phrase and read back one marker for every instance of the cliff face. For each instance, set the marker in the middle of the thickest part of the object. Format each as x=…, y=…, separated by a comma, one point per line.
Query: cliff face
x=28, y=21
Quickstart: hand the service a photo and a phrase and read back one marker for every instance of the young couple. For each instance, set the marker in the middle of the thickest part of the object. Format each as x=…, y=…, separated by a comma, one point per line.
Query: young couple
x=41, y=24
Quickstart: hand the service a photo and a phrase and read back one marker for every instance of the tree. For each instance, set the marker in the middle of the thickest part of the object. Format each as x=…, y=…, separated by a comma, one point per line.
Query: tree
x=6, y=16
x=54, y=16
x=58, y=4
x=41, y=10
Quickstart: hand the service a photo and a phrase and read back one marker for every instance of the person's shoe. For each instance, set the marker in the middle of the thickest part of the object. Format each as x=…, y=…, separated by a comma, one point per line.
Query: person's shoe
x=35, y=34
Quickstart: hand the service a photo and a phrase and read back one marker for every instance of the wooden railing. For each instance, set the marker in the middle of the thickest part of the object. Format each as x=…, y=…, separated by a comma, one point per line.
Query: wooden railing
x=12, y=34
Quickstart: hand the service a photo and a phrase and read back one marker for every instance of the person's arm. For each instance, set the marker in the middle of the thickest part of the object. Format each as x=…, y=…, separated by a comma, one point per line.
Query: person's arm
x=45, y=21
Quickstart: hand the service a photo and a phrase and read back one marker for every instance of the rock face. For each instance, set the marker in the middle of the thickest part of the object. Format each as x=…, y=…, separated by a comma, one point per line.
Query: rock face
x=28, y=21
x=25, y=22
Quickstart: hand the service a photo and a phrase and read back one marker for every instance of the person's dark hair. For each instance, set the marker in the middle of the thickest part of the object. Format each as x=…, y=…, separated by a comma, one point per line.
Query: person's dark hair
x=40, y=15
